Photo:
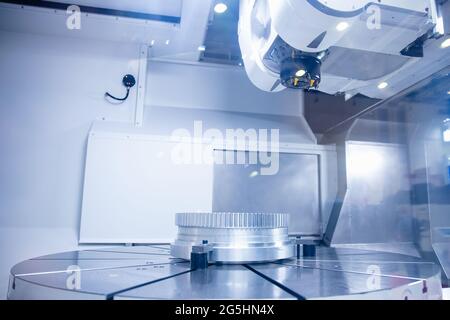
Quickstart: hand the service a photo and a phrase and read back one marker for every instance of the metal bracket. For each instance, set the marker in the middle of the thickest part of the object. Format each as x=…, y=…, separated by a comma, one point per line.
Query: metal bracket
x=142, y=81
x=308, y=246
x=56, y=5
x=200, y=255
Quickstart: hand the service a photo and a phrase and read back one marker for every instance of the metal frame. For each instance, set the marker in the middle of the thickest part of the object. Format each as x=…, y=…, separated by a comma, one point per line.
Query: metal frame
x=291, y=148
x=338, y=134
x=340, y=195
x=97, y=10
x=251, y=146
x=141, y=87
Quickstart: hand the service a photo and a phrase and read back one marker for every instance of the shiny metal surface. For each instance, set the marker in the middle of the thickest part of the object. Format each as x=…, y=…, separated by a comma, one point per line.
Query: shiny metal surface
x=216, y=282
x=429, y=156
x=146, y=273
x=231, y=220
x=377, y=205
x=356, y=273
x=442, y=251
x=407, y=248
x=234, y=237
x=94, y=259
x=100, y=272
x=106, y=282
x=294, y=188
x=395, y=165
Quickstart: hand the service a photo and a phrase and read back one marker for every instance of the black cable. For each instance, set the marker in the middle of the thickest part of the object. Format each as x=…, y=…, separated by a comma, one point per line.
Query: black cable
x=128, y=81
x=119, y=99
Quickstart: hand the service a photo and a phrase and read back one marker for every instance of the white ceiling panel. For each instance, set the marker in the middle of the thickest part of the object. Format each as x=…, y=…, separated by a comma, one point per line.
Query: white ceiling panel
x=152, y=25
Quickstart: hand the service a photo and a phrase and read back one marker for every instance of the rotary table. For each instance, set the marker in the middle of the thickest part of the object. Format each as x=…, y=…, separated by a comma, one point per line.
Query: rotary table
x=249, y=256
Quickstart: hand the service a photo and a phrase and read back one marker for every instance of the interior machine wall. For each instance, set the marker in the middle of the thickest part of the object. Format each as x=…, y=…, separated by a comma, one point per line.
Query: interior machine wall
x=373, y=209
x=294, y=190
x=236, y=188
x=48, y=106
x=51, y=90
x=215, y=88
x=397, y=194
x=429, y=152
x=377, y=207
x=141, y=158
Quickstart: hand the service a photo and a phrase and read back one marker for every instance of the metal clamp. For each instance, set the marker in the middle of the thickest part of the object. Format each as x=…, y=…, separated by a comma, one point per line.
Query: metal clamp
x=200, y=255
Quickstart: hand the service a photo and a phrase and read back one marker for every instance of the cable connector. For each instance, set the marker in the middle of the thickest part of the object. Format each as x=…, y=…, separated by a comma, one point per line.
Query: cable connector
x=128, y=81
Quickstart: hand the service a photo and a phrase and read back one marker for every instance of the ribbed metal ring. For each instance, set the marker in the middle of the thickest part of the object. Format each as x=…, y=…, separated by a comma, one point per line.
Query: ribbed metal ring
x=232, y=220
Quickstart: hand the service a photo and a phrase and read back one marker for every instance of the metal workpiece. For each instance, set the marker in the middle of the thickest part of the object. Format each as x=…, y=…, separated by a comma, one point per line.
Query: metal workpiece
x=149, y=272
x=234, y=237
x=232, y=220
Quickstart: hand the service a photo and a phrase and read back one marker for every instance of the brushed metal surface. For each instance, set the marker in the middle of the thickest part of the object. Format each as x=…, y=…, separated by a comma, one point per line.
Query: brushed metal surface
x=139, y=273
x=234, y=237
x=231, y=220
x=294, y=189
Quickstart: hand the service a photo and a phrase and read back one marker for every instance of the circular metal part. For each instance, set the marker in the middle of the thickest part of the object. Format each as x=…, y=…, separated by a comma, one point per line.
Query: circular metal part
x=234, y=237
x=232, y=220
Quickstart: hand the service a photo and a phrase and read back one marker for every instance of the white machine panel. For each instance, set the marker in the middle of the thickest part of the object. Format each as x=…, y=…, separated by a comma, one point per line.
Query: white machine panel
x=133, y=189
